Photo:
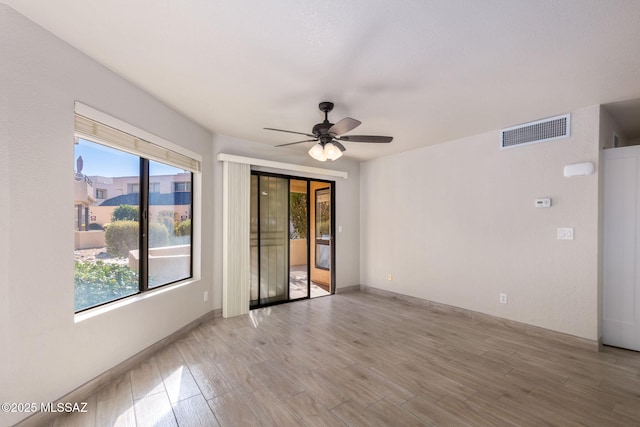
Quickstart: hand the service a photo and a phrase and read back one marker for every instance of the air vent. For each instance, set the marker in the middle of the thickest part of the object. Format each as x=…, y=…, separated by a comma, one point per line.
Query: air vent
x=538, y=131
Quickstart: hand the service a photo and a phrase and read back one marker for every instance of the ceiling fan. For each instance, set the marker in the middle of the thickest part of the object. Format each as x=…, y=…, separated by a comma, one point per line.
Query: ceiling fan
x=329, y=136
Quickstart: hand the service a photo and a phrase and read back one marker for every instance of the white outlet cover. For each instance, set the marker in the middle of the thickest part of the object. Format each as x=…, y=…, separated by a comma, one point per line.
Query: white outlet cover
x=565, y=233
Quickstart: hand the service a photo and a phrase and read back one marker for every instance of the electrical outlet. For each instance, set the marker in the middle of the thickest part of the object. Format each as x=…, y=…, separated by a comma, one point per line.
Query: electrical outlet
x=206, y=296
x=565, y=233
x=389, y=277
x=503, y=298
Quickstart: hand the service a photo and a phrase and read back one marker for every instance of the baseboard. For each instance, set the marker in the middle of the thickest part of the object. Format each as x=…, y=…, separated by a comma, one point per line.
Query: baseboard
x=90, y=387
x=354, y=288
x=572, y=340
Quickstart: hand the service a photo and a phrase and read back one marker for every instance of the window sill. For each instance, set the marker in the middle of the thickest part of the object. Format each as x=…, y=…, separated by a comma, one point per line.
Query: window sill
x=106, y=308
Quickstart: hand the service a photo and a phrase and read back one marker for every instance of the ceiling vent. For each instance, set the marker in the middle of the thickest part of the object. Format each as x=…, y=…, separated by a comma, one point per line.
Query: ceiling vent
x=538, y=131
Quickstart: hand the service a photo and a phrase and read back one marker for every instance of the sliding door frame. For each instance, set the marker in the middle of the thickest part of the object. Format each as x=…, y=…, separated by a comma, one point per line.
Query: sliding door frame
x=308, y=181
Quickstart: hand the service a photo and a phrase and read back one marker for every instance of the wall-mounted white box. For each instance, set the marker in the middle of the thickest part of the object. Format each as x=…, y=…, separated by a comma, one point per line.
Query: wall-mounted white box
x=565, y=233
x=543, y=203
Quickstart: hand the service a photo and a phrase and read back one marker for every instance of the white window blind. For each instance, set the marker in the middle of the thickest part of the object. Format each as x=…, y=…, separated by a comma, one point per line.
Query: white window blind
x=93, y=130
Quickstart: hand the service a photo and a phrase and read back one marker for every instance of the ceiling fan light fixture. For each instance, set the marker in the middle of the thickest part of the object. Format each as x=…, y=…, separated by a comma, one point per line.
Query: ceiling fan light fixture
x=318, y=153
x=332, y=152
x=330, y=136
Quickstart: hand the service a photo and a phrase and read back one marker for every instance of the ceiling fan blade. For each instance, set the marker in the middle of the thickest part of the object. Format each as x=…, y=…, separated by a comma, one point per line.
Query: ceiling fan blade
x=297, y=142
x=290, y=131
x=366, y=138
x=340, y=146
x=344, y=126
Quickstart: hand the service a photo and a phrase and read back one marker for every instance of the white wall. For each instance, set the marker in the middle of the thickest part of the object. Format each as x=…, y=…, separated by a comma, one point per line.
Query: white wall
x=5, y=250
x=455, y=223
x=347, y=203
x=608, y=127
x=45, y=353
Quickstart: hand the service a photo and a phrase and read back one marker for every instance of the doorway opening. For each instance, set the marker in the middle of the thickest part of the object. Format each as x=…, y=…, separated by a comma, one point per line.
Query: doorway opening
x=292, y=245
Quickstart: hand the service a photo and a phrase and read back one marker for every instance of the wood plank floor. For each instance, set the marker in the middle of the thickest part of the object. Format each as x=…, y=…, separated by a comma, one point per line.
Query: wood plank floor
x=359, y=359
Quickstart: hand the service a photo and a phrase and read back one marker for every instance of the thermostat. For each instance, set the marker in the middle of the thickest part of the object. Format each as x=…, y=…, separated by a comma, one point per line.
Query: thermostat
x=543, y=203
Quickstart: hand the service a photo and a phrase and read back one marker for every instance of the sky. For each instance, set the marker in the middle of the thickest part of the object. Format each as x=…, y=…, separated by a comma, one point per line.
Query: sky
x=99, y=160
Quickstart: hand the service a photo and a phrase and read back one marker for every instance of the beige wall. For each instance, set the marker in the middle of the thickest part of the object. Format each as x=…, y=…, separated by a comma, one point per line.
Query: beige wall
x=82, y=193
x=41, y=337
x=456, y=223
x=298, y=252
x=89, y=239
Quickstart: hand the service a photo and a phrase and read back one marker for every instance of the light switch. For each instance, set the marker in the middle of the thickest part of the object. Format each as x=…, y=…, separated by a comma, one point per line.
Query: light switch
x=565, y=233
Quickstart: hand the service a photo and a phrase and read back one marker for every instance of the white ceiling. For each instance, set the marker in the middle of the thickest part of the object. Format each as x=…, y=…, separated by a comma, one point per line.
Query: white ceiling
x=422, y=71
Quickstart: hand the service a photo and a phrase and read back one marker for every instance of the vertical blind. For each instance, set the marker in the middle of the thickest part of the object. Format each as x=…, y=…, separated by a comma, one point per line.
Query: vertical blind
x=236, y=272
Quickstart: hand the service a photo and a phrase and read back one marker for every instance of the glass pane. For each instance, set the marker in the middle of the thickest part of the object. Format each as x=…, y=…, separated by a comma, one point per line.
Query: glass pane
x=106, y=223
x=254, y=240
x=169, y=224
x=323, y=256
x=323, y=229
x=298, y=228
x=323, y=214
x=274, y=239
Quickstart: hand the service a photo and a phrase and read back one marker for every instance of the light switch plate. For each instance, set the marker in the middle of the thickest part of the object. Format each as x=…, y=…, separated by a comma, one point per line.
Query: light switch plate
x=565, y=233
x=543, y=203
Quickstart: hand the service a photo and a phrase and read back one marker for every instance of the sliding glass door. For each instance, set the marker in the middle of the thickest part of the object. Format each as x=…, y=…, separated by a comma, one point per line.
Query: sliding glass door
x=271, y=244
x=298, y=239
x=291, y=244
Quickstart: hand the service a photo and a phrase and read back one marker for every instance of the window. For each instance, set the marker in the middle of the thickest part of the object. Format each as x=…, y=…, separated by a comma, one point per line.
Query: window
x=138, y=240
x=181, y=186
x=133, y=188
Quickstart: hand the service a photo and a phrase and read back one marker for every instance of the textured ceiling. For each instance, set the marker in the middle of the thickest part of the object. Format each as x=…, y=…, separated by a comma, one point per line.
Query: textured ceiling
x=423, y=71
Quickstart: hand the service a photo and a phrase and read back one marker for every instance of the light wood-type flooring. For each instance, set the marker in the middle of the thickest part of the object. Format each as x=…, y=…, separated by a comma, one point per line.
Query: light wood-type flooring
x=360, y=359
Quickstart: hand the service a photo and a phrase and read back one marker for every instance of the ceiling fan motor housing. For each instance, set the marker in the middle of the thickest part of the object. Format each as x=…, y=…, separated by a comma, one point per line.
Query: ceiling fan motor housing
x=321, y=130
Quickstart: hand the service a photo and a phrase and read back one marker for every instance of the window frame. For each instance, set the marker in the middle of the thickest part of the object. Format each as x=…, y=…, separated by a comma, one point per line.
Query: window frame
x=157, y=143
x=185, y=184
